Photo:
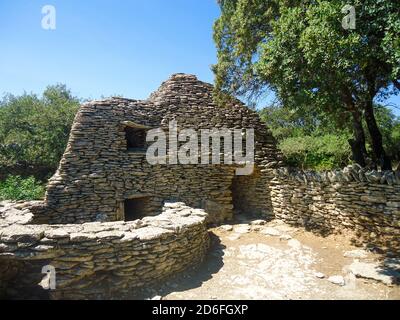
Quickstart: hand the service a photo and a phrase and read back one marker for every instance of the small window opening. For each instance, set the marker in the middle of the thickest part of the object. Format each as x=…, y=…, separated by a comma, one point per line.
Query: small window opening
x=135, y=138
x=136, y=208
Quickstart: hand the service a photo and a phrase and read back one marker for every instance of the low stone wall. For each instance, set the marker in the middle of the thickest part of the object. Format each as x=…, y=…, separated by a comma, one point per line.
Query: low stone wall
x=365, y=202
x=98, y=260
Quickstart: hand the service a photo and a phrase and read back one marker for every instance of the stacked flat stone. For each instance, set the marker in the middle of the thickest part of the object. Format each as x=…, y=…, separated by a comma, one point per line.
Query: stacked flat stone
x=98, y=260
x=97, y=173
x=76, y=227
x=355, y=199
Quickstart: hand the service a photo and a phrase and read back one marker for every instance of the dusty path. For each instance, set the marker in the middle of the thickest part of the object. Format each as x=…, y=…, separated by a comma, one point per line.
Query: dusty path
x=275, y=261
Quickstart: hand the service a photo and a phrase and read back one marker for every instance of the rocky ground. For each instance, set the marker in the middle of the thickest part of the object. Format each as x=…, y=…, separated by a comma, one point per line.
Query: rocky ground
x=259, y=260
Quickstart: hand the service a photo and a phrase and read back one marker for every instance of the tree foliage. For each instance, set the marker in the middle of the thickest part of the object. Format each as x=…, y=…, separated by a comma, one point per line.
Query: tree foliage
x=34, y=130
x=389, y=125
x=323, y=152
x=308, y=141
x=18, y=188
x=300, y=50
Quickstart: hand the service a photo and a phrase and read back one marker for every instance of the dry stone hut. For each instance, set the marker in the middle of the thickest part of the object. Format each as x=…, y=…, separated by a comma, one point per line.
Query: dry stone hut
x=104, y=175
x=112, y=222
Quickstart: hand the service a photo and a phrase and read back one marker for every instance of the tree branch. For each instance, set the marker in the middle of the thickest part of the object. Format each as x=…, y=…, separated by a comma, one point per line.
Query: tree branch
x=396, y=83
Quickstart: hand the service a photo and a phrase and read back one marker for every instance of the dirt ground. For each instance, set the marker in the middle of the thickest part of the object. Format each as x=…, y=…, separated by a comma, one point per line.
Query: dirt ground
x=259, y=260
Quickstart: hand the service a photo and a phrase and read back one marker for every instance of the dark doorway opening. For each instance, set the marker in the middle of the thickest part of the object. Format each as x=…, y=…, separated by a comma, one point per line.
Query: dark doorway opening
x=136, y=208
x=237, y=195
x=135, y=139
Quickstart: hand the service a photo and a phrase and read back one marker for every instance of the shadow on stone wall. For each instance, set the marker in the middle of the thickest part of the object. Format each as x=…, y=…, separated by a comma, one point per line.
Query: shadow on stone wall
x=363, y=205
x=251, y=195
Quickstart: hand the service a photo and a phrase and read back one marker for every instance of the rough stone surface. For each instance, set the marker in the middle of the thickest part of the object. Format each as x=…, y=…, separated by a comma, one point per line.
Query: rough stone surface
x=226, y=227
x=97, y=173
x=339, y=280
x=100, y=260
x=80, y=228
x=374, y=271
x=341, y=201
x=270, y=231
x=242, y=229
x=358, y=253
x=260, y=267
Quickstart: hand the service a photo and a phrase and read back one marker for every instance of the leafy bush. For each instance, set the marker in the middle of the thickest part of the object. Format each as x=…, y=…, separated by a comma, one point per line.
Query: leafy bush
x=314, y=141
x=34, y=131
x=389, y=125
x=308, y=140
x=317, y=152
x=18, y=188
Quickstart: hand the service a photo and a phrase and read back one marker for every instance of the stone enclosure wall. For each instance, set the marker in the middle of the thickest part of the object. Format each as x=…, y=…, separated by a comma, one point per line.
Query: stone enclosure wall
x=354, y=199
x=98, y=260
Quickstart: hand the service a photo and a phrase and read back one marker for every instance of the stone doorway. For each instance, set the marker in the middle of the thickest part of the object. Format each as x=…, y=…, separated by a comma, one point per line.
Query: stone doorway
x=250, y=194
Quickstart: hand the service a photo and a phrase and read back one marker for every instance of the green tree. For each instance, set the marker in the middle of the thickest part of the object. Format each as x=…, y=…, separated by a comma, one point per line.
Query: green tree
x=300, y=50
x=389, y=125
x=307, y=140
x=310, y=141
x=285, y=122
x=34, y=130
x=319, y=152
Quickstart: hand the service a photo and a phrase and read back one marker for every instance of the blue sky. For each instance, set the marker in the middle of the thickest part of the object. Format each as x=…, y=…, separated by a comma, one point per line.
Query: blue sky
x=106, y=47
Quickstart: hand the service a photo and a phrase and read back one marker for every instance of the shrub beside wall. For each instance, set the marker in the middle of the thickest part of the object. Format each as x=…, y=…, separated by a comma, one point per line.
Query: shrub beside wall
x=18, y=188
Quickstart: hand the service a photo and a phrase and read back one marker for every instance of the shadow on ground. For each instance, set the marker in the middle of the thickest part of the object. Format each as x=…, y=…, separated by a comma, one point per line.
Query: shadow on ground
x=192, y=277
x=254, y=259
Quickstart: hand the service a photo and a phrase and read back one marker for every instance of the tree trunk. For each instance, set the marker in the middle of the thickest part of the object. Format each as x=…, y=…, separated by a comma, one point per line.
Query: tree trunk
x=358, y=143
x=382, y=158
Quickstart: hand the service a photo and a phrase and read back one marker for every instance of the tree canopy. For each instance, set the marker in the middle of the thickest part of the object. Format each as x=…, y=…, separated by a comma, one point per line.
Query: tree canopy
x=301, y=51
x=34, y=130
x=309, y=141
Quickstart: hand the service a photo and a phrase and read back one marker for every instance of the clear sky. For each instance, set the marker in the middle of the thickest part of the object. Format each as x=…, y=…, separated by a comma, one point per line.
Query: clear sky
x=106, y=47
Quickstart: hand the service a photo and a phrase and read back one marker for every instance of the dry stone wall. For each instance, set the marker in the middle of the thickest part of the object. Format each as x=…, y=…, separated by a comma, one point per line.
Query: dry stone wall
x=364, y=202
x=79, y=227
x=97, y=172
x=97, y=260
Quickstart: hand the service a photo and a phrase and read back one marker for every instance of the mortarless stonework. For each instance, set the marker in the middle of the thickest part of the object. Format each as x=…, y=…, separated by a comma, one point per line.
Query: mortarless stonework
x=97, y=173
x=98, y=260
x=366, y=203
x=79, y=227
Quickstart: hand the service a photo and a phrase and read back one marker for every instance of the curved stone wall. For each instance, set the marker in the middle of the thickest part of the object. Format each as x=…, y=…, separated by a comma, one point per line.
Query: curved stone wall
x=98, y=260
